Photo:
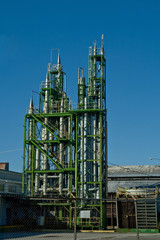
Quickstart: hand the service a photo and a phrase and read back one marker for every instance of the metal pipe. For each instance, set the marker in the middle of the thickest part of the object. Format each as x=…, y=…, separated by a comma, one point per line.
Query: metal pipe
x=106, y=159
x=102, y=49
x=78, y=75
x=45, y=136
x=85, y=149
x=94, y=71
x=98, y=155
x=69, y=152
x=37, y=166
x=65, y=83
x=75, y=220
x=30, y=111
x=61, y=148
x=82, y=159
x=94, y=149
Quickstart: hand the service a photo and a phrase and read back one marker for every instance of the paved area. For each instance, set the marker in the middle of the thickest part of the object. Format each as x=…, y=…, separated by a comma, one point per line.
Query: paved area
x=80, y=236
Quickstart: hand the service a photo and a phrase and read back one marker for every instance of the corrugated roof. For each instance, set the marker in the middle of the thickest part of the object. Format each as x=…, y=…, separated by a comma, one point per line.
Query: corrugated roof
x=147, y=176
x=134, y=170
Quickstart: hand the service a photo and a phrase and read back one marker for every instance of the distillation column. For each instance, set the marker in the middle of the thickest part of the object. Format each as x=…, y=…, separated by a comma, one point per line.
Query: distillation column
x=82, y=104
x=61, y=153
x=30, y=136
x=45, y=136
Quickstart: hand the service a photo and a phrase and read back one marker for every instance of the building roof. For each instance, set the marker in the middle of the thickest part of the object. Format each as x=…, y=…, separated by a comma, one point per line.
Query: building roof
x=133, y=176
x=9, y=175
x=134, y=170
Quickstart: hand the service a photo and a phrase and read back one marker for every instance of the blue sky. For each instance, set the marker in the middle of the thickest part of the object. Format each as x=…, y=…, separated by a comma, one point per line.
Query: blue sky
x=28, y=31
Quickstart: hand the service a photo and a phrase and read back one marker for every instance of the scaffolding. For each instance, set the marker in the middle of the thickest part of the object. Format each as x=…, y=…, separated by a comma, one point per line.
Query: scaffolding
x=65, y=150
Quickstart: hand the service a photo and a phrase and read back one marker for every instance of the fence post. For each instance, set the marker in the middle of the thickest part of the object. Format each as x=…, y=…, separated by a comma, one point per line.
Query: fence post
x=137, y=230
x=75, y=220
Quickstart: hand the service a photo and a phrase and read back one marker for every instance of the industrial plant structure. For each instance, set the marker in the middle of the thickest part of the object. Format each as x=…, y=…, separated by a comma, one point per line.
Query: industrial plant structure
x=65, y=149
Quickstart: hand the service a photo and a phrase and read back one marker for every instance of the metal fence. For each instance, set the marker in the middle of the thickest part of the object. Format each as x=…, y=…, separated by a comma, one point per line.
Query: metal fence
x=69, y=218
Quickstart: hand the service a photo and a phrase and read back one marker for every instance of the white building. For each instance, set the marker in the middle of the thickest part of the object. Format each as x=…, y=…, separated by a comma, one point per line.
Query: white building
x=10, y=185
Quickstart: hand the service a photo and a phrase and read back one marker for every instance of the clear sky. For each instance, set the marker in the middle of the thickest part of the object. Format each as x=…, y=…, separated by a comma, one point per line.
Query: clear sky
x=28, y=31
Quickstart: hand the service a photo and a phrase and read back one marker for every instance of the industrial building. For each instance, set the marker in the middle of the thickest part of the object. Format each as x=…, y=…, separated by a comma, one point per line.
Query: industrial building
x=10, y=185
x=10, y=182
x=133, y=176
x=65, y=149
x=124, y=182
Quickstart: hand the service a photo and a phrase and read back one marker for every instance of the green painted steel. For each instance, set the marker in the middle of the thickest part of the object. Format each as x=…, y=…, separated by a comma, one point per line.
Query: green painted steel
x=54, y=204
x=24, y=145
x=95, y=110
x=52, y=171
x=64, y=152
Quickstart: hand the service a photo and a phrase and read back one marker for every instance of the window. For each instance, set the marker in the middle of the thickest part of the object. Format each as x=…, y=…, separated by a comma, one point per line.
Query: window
x=12, y=189
x=1, y=187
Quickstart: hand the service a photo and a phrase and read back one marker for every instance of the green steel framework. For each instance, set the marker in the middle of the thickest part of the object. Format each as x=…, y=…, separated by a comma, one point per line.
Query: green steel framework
x=54, y=135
